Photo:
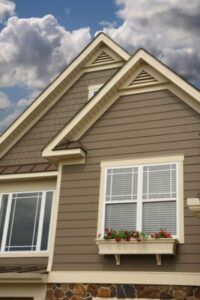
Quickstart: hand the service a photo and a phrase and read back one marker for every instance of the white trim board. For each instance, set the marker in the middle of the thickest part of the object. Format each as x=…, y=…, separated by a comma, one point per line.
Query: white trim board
x=125, y=277
x=28, y=176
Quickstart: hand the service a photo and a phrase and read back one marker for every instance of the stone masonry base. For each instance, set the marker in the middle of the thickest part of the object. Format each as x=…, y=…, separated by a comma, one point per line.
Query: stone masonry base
x=90, y=291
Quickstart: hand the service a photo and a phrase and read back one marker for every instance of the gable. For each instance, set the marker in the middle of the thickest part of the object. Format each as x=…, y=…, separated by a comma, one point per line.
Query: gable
x=57, y=89
x=28, y=149
x=142, y=73
x=104, y=58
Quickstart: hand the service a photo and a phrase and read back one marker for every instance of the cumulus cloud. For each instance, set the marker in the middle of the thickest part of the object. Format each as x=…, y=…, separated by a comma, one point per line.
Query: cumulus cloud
x=8, y=119
x=23, y=102
x=7, y=8
x=4, y=101
x=168, y=29
x=34, y=50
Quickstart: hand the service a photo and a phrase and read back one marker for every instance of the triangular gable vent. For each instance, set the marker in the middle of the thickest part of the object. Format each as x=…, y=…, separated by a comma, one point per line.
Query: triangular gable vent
x=103, y=58
x=143, y=78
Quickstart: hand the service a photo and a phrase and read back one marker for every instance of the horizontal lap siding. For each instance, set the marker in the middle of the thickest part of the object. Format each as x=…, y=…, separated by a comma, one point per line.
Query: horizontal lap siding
x=29, y=148
x=156, y=123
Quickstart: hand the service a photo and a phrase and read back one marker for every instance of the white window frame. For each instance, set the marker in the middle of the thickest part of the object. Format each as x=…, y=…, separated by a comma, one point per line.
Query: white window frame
x=40, y=227
x=92, y=89
x=140, y=162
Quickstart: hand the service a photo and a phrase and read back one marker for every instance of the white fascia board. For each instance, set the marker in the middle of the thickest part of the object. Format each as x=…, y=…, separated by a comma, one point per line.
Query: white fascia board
x=29, y=175
x=98, y=40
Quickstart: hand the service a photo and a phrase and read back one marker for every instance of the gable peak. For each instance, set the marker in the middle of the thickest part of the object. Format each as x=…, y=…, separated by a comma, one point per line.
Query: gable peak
x=143, y=78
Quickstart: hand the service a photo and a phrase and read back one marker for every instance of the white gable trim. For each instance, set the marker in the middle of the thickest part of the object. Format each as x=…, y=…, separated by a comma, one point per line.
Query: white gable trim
x=75, y=68
x=180, y=87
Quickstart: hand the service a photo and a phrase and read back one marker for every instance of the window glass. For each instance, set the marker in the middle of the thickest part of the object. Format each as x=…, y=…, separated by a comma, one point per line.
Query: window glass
x=25, y=221
x=121, y=184
x=158, y=215
x=46, y=222
x=142, y=198
x=121, y=216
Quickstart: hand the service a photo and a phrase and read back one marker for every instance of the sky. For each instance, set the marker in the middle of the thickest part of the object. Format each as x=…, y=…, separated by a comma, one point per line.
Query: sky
x=38, y=39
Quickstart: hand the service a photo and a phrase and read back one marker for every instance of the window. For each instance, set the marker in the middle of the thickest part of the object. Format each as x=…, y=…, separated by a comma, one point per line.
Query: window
x=93, y=89
x=25, y=221
x=142, y=196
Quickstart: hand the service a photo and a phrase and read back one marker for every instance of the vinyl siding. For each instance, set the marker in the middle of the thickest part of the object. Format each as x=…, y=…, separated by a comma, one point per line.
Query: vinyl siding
x=28, y=149
x=156, y=123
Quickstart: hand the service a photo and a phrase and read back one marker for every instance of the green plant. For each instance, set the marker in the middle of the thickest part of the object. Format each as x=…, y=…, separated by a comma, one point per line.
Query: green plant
x=125, y=235
x=162, y=233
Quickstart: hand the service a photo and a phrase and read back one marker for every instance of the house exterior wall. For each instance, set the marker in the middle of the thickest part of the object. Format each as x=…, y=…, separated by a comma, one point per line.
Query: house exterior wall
x=150, y=124
x=29, y=148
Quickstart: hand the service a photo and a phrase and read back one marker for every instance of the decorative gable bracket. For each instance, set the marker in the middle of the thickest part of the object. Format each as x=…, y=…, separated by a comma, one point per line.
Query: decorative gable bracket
x=194, y=205
x=67, y=157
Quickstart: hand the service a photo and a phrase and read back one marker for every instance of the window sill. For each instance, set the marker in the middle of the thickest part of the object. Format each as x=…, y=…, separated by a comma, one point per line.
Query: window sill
x=24, y=254
x=151, y=246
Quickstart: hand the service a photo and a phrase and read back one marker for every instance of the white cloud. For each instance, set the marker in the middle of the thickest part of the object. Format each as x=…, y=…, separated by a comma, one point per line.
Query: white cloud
x=7, y=8
x=34, y=50
x=108, y=24
x=7, y=120
x=24, y=102
x=168, y=29
x=4, y=101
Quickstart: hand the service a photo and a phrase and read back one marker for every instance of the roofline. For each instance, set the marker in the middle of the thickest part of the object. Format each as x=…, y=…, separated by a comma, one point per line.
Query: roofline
x=140, y=54
x=100, y=38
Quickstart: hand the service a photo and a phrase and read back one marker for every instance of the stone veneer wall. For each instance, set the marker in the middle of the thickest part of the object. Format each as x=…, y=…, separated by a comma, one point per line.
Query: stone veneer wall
x=89, y=291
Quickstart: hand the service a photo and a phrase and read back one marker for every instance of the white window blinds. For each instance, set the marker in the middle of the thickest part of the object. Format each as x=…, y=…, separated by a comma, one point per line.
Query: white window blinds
x=142, y=197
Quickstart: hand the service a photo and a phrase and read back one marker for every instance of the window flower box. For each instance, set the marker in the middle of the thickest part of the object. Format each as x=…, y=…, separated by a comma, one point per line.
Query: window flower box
x=148, y=246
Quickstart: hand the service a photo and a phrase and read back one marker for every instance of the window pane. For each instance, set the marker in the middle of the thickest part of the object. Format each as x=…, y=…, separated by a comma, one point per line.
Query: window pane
x=23, y=222
x=159, y=181
x=121, y=216
x=46, y=223
x=121, y=184
x=4, y=203
x=158, y=215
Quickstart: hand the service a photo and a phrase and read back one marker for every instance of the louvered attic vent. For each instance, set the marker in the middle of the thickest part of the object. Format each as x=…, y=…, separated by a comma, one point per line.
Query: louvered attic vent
x=103, y=58
x=143, y=78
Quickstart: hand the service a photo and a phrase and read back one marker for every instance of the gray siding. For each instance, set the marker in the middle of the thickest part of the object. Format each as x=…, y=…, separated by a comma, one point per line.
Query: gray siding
x=156, y=123
x=28, y=150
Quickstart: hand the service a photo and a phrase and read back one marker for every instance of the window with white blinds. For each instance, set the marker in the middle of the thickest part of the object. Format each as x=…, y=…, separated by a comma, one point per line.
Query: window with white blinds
x=142, y=197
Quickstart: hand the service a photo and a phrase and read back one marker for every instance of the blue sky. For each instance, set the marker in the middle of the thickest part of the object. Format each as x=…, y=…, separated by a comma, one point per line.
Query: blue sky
x=38, y=39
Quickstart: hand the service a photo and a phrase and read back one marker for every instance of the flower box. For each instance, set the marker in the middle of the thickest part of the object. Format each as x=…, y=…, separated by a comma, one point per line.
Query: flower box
x=149, y=246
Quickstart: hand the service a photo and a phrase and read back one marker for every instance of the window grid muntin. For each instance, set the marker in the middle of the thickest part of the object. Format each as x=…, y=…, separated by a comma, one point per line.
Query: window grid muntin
x=15, y=197
x=7, y=218
x=139, y=200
